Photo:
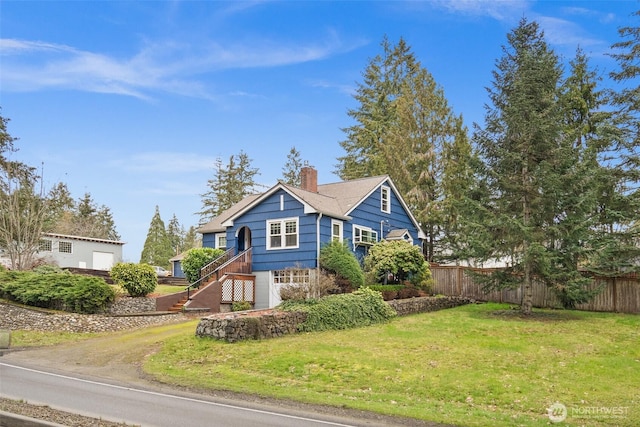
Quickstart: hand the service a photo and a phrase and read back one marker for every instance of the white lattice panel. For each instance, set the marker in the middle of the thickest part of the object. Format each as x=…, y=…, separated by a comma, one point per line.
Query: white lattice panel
x=237, y=289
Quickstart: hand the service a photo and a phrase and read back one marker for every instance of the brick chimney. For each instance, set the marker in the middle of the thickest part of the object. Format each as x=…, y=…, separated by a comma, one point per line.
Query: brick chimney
x=309, y=179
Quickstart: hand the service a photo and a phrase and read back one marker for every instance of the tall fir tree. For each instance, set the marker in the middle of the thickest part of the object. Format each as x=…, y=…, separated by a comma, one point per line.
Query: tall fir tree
x=157, y=246
x=619, y=221
x=291, y=169
x=520, y=154
x=176, y=235
x=84, y=218
x=230, y=184
x=403, y=127
x=382, y=85
x=573, y=196
x=425, y=127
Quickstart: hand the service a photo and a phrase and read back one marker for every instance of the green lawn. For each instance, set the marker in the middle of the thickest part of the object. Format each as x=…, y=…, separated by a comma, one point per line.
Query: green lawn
x=477, y=365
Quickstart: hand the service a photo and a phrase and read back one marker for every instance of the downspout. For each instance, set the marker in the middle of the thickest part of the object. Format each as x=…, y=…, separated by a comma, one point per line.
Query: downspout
x=318, y=240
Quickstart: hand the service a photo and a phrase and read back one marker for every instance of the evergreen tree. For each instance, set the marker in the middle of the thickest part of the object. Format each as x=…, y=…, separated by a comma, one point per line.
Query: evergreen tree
x=520, y=154
x=383, y=81
x=176, y=235
x=60, y=201
x=191, y=239
x=458, y=185
x=425, y=127
x=574, y=196
x=157, y=246
x=84, y=218
x=619, y=248
x=404, y=127
x=291, y=170
x=230, y=184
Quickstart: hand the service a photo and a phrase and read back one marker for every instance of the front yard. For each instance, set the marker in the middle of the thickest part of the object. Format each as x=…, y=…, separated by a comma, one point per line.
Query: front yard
x=474, y=365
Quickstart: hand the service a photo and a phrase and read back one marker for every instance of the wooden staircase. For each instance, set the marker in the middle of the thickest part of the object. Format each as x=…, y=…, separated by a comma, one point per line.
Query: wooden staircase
x=177, y=307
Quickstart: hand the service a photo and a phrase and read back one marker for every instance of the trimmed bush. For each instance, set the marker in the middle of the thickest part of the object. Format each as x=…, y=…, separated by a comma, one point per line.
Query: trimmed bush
x=58, y=291
x=336, y=258
x=139, y=280
x=197, y=258
x=400, y=259
x=362, y=307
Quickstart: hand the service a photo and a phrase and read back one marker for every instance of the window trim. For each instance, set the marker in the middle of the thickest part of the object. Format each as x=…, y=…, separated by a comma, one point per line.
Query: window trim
x=45, y=245
x=220, y=236
x=340, y=235
x=64, y=242
x=283, y=233
x=361, y=229
x=385, y=198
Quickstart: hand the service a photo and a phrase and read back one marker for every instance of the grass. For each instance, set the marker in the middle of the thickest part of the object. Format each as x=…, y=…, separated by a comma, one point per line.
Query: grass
x=475, y=365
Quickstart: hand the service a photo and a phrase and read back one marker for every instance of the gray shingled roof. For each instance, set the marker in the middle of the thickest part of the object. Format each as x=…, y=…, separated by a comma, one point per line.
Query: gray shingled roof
x=215, y=225
x=336, y=200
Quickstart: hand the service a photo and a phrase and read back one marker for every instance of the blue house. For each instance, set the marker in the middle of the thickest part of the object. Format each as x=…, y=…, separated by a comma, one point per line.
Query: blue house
x=279, y=233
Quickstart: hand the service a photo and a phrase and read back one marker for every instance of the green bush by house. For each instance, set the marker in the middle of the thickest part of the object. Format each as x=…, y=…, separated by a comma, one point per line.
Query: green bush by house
x=138, y=280
x=197, y=258
x=399, y=259
x=337, y=259
x=57, y=290
x=362, y=307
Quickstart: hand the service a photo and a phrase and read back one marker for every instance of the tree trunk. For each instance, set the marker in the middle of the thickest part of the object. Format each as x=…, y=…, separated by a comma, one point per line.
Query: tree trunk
x=527, y=294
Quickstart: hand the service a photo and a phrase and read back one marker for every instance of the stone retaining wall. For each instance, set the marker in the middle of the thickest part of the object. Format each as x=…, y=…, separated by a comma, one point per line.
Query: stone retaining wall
x=13, y=317
x=425, y=304
x=270, y=323
x=127, y=305
x=239, y=326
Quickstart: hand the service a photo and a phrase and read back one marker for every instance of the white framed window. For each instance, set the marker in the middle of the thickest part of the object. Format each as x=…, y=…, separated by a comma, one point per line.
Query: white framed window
x=364, y=235
x=282, y=233
x=299, y=276
x=221, y=241
x=45, y=245
x=385, y=199
x=65, y=247
x=336, y=230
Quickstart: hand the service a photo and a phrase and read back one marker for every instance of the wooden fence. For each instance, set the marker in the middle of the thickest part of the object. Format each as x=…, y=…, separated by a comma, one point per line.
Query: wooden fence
x=619, y=294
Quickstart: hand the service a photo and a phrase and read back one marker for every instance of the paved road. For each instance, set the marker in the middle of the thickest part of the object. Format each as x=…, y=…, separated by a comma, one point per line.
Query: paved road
x=147, y=408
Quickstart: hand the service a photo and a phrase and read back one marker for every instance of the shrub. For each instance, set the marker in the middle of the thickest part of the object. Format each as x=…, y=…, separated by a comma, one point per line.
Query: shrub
x=336, y=258
x=388, y=292
x=363, y=307
x=197, y=258
x=60, y=291
x=319, y=285
x=241, y=306
x=400, y=259
x=138, y=280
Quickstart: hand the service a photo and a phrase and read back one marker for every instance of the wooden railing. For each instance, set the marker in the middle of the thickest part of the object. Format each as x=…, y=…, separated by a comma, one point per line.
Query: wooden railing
x=210, y=268
x=226, y=263
x=241, y=263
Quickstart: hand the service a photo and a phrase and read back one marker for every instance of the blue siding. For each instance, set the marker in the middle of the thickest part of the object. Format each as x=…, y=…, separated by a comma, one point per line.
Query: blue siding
x=367, y=214
x=276, y=259
x=209, y=240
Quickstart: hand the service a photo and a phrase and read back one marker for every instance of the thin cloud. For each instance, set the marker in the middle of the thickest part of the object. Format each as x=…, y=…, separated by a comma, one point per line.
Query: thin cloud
x=159, y=66
x=498, y=10
x=561, y=32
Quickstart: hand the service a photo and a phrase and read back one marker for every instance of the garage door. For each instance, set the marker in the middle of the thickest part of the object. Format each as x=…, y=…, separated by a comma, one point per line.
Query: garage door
x=102, y=260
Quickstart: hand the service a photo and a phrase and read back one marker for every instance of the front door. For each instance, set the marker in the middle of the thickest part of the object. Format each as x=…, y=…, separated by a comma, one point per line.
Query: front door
x=244, y=239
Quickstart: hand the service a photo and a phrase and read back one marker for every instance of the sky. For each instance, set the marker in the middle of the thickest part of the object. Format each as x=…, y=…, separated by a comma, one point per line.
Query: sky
x=133, y=101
